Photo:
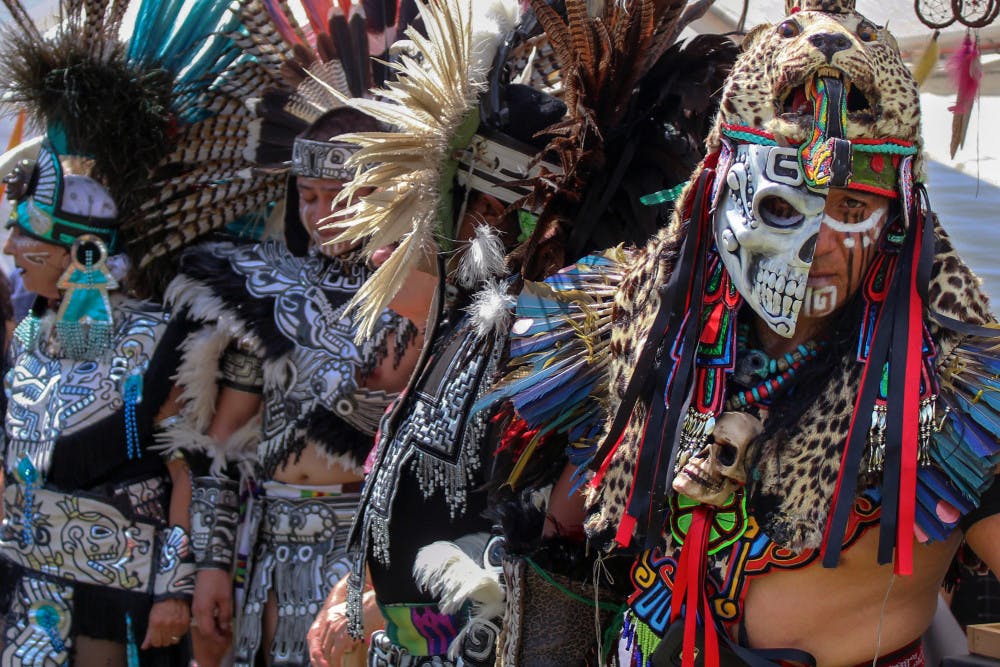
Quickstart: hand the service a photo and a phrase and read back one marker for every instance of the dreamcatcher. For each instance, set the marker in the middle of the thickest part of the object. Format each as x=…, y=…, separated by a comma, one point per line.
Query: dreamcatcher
x=939, y=14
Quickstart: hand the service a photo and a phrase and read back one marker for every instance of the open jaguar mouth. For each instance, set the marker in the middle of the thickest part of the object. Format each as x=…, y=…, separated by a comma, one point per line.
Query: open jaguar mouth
x=796, y=104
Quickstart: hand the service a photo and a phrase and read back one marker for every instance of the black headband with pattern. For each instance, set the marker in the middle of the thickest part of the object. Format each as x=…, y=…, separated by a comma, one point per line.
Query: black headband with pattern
x=322, y=159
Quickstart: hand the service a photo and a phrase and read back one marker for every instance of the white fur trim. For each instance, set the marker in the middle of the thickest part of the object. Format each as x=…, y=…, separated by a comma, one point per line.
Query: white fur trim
x=239, y=448
x=343, y=461
x=198, y=375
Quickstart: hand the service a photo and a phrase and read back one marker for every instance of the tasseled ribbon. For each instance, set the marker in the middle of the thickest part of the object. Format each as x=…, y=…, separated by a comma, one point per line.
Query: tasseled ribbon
x=966, y=71
x=689, y=590
x=899, y=343
x=667, y=379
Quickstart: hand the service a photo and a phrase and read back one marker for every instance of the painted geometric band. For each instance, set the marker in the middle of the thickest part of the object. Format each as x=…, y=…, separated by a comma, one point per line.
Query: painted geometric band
x=214, y=518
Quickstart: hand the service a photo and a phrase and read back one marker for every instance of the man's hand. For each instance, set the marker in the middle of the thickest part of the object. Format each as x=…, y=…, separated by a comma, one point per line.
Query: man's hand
x=328, y=639
x=168, y=622
x=213, y=604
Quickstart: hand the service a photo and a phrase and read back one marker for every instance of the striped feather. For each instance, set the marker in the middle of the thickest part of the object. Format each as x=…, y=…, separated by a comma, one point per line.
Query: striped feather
x=429, y=104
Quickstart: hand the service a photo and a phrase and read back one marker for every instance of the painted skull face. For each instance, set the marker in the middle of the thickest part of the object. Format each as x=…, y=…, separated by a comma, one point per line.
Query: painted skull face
x=766, y=226
x=711, y=474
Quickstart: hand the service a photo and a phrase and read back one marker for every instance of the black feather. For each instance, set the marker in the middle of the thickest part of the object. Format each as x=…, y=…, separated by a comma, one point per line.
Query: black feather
x=91, y=101
x=360, y=78
x=256, y=314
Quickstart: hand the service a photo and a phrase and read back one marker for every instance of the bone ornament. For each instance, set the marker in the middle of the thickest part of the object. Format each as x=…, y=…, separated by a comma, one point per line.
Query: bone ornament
x=713, y=473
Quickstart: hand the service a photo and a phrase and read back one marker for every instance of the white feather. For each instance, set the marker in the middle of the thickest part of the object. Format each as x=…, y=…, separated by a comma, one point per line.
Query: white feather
x=482, y=259
x=491, y=21
x=491, y=309
x=445, y=571
x=453, y=578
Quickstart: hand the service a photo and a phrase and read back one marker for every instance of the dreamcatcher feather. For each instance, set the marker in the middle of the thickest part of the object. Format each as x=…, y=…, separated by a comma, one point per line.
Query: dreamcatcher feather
x=966, y=71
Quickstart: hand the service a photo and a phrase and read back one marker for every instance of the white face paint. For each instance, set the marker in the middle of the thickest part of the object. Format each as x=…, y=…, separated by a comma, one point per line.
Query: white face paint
x=852, y=224
x=820, y=301
x=27, y=248
x=862, y=229
x=40, y=263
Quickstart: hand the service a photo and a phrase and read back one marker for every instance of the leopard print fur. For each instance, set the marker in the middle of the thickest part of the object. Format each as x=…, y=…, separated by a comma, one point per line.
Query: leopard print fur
x=777, y=59
x=637, y=301
x=797, y=468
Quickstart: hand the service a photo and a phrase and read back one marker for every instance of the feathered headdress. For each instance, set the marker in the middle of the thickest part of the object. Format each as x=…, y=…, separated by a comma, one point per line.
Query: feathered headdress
x=627, y=145
x=433, y=106
x=337, y=54
x=157, y=117
x=624, y=104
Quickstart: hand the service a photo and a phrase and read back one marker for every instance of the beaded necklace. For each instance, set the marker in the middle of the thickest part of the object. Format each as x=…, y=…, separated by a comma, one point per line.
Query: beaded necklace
x=764, y=375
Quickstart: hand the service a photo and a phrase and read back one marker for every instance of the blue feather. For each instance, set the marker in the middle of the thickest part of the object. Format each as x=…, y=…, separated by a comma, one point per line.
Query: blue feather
x=153, y=24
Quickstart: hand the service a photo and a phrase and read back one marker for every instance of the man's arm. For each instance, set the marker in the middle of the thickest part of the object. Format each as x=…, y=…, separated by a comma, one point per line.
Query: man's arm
x=213, y=593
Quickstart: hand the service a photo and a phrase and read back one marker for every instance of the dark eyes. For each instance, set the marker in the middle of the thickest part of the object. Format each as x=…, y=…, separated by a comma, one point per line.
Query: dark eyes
x=789, y=28
x=867, y=32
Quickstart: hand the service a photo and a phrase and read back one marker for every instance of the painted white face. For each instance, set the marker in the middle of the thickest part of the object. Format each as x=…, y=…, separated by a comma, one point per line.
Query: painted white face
x=766, y=227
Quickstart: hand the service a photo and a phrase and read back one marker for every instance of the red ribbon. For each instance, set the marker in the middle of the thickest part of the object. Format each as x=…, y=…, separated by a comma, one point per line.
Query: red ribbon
x=911, y=413
x=689, y=590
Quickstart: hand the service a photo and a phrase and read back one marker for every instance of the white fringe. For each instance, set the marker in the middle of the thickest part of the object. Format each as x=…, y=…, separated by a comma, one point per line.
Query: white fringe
x=239, y=448
x=343, y=461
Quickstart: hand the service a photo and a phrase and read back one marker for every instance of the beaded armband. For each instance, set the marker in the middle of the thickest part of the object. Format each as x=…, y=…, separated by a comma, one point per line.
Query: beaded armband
x=242, y=371
x=214, y=518
x=175, y=567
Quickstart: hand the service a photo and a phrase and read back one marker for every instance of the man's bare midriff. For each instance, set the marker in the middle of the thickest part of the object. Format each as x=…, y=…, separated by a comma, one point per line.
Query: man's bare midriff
x=312, y=468
x=834, y=613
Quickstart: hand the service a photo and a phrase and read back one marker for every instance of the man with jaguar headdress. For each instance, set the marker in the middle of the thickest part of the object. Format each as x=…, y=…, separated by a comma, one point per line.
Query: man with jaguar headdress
x=797, y=440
